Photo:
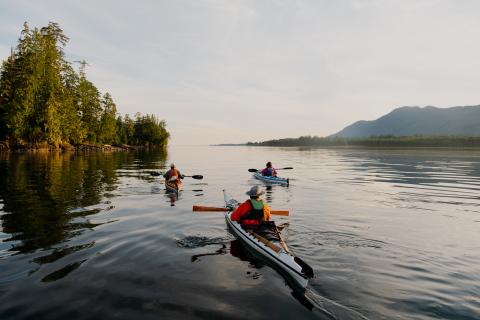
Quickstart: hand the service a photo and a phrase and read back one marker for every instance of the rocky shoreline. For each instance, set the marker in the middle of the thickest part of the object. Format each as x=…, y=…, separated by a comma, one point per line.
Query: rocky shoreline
x=82, y=147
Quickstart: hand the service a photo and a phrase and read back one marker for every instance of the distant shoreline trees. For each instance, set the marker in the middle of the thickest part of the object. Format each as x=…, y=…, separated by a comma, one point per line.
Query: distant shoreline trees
x=45, y=102
x=375, y=141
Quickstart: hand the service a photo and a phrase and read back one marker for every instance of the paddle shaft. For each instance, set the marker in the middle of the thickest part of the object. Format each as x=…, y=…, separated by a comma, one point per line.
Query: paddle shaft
x=282, y=241
x=195, y=176
x=256, y=170
x=217, y=209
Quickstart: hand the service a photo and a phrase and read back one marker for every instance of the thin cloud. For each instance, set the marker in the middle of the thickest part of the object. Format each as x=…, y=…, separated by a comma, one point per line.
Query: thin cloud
x=218, y=71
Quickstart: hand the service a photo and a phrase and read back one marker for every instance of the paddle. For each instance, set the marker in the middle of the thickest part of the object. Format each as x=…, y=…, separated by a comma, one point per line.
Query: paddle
x=195, y=176
x=219, y=209
x=306, y=269
x=286, y=168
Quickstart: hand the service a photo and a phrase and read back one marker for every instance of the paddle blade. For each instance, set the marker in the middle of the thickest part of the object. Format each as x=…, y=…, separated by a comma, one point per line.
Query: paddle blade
x=306, y=269
x=197, y=176
x=204, y=208
x=252, y=170
x=280, y=212
x=286, y=168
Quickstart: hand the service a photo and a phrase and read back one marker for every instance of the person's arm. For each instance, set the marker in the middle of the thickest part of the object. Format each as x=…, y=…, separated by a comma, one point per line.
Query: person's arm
x=166, y=174
x=243, y=209
x=266, y=212
x=274, y=172
x=180, y=176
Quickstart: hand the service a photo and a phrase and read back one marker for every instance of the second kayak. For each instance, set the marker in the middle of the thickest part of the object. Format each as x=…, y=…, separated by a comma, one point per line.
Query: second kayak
x=272, y=179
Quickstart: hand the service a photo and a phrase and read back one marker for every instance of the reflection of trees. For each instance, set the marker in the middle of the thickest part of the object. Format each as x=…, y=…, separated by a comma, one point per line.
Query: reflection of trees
x=40, y=192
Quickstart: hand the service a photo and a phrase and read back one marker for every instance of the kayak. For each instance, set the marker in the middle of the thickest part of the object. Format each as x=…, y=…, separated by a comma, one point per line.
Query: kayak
x=267, y=241
x=272, y=179
x=173, y=186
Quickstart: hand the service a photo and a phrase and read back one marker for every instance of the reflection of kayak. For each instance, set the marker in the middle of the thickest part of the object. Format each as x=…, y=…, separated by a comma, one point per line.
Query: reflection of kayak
x=173, y=186
x=271, y=179
x=267, y=241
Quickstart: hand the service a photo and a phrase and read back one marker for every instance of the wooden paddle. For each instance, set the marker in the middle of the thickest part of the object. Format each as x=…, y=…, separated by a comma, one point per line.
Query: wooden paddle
x=266, y=242
x=219, y=209
x=286, y=168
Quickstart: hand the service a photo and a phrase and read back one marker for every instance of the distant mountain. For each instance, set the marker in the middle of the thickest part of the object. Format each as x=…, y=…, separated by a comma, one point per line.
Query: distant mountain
x=408, y=121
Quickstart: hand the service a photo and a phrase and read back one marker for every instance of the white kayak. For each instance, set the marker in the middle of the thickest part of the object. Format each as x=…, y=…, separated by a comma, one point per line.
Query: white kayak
x=274, y=250
x=272, y=179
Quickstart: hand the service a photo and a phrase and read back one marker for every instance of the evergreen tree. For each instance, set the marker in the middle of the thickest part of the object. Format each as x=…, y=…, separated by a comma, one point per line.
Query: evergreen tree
x=73, y=130
x=89, y=107
x=44, y=100
x=108, y=125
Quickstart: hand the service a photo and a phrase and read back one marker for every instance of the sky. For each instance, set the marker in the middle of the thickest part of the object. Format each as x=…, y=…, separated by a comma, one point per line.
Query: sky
x=235, y=71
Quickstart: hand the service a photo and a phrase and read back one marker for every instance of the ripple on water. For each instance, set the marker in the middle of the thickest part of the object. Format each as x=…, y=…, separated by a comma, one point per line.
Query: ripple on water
x=191, y=242
x=390, y=235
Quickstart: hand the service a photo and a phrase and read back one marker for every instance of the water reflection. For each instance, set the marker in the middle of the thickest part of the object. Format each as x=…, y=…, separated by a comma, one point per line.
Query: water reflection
x=47, y=198
x=172, y=196
x=238, y=250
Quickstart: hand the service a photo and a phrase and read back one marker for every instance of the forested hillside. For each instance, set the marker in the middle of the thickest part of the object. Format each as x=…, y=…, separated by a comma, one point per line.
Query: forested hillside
x=44, y=101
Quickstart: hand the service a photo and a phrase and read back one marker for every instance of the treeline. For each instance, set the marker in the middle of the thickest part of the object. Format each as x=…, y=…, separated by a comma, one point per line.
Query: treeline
x=374, y=141
x=45, y=101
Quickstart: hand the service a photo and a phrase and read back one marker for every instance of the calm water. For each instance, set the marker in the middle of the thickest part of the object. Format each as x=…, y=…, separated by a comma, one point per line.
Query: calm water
x=389, y=234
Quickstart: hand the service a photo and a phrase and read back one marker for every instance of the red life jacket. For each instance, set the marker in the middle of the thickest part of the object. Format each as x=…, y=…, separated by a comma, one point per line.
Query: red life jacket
x=253, y=217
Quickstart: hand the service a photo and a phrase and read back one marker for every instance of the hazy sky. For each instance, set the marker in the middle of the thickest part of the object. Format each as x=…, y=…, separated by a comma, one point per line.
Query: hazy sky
x=236, y=70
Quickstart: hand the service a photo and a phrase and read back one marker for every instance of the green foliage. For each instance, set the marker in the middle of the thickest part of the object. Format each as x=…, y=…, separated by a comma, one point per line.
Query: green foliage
x=143, y=130
x=108, y=124
x=43, y=100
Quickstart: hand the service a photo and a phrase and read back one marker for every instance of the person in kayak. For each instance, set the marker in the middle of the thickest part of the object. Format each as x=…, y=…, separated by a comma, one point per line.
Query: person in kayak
x=253, y=211
x=269, y=170
x=173, y=175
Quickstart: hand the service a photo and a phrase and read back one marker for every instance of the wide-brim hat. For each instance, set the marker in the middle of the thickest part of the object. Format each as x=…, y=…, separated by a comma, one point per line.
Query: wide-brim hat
x=255, y=191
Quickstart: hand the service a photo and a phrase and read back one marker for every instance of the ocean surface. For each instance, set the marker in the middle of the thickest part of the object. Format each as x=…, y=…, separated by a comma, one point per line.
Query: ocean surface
x=390, y=234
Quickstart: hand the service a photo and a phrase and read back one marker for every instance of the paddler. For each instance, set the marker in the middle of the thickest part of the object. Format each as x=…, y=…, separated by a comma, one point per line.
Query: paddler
x=269, y=170
x=173, y=175
x=253, y=211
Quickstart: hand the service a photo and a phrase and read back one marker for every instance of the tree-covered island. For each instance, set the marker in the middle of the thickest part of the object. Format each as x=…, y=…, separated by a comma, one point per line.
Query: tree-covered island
x=46, y=103
x=387, y=141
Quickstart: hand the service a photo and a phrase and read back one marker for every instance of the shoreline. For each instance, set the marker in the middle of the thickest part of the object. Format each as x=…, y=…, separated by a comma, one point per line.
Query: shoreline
x=359, y=147
x=34, y=148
